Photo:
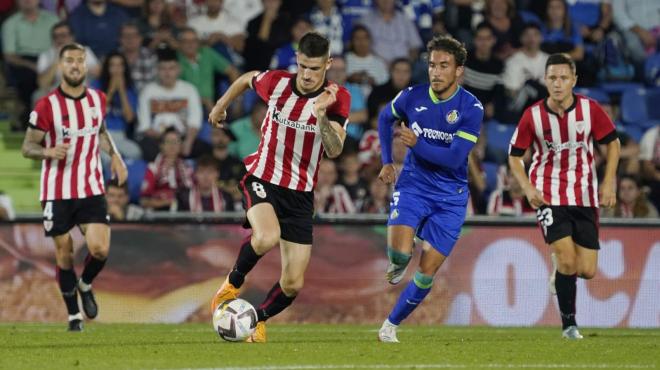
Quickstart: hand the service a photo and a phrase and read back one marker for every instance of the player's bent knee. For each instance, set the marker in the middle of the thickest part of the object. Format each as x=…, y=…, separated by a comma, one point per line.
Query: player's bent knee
x=64, y=260
x=567, y=266
x=99, y=253
x=587, y=274
x=566, y=262
x=291, y=287
x=264, y=241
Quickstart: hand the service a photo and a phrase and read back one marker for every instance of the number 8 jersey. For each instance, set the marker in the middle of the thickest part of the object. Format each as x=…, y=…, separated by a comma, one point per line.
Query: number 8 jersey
x=290, y=148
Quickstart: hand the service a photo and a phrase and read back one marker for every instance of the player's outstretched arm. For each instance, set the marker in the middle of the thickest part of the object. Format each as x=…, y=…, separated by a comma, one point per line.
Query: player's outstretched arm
x=117, y=166
x=33, y=149
x=239, y=86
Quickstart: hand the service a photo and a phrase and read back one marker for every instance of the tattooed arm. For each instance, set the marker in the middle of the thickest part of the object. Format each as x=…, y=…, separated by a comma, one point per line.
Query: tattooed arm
x=332, y=133
x=117, y=165
x=33, y=149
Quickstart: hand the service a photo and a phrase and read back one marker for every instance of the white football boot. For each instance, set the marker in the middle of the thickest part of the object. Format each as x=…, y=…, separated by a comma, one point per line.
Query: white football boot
x=571, y=333
x=387, y=332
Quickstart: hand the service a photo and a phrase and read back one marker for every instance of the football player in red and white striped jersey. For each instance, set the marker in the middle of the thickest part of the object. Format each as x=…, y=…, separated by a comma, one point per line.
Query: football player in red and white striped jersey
x=562, y=179
x=66, y=131
x=306, y=117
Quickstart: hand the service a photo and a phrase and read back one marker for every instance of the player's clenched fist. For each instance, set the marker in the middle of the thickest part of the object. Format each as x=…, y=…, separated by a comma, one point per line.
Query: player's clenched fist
x=407, y=136
x=534, y=197
x=57, y=152
x=387, y=174
x=326, y=99
x=217, y=116
x=607, y=195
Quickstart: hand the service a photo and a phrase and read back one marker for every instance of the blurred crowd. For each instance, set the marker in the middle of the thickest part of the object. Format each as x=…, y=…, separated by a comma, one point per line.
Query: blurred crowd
x=163, y=63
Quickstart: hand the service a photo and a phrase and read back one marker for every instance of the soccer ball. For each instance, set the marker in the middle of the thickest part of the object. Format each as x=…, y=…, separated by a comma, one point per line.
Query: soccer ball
x=235, y=320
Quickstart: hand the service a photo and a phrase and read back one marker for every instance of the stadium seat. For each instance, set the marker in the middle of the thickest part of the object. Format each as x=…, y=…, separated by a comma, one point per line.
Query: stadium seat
x=491, y=170
x=639, y=107
x=595, y=94
x=653, y=105
x=498, y=136
x=618, y=88
x=652, y=70
x=136, y=170
x=635, y=132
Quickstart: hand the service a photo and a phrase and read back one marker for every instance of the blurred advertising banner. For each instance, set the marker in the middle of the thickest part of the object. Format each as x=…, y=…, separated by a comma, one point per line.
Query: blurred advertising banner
x=497, y=275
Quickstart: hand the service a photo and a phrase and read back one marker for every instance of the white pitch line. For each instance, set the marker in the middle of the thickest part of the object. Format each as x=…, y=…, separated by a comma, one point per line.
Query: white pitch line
x=434, y=366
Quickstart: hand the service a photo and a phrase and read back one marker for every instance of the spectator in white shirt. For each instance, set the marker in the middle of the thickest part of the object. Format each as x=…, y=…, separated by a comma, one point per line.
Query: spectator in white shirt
x=169, y=102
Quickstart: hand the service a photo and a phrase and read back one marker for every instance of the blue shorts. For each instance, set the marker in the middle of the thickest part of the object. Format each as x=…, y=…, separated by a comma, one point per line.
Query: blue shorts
x=436, y=219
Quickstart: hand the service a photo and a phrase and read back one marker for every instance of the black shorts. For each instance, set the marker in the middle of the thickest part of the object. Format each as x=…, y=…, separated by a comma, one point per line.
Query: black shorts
x=60, y=216
x=294, y=209
x=580, y=223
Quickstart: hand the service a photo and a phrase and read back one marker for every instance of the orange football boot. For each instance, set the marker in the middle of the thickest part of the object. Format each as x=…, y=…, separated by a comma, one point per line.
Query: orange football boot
x=259, y=335
x=226, y=292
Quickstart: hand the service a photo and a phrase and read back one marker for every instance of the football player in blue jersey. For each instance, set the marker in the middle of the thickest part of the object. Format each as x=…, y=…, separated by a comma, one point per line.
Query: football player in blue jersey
x=440, y=123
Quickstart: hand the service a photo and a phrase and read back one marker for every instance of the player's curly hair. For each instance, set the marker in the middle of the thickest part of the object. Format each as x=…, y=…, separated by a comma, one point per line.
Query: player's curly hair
x=450, y=45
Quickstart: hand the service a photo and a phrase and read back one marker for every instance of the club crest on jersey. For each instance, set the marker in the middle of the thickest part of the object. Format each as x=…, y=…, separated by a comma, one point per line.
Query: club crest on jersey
x=452, y=116
x=579, y=126
x=395, y=214
x=94, y=112
x=48, y=225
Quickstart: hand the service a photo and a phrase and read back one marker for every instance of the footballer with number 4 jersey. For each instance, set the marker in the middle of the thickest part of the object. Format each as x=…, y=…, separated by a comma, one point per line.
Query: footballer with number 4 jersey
x=562, y=185
x=306, y=117
x=440, y=123
x=66, y=130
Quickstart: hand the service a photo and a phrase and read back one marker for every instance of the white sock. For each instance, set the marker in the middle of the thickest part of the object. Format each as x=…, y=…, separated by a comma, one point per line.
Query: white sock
x=84, y=287
x=77, y=316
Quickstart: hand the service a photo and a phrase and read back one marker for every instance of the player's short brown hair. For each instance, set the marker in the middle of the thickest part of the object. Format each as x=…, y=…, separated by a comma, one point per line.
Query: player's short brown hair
x=449, y=45
x=560, y=58
x=314, y=45
x=71, y=46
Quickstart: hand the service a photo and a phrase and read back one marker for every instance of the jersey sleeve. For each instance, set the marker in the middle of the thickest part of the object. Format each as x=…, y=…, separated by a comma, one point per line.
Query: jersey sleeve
x=602, y=126
x=471, y=123
x=263, y=83
x=398, y=105
x=41, y=117
x=104, y=103
x=340, y=109
x=522, y=136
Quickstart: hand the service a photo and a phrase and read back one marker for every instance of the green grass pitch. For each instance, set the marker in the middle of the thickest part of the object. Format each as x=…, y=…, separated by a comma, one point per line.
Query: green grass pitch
x=302, y=347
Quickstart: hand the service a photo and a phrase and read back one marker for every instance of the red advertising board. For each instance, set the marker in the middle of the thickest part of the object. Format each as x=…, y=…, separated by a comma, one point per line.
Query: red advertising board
x=497, y=275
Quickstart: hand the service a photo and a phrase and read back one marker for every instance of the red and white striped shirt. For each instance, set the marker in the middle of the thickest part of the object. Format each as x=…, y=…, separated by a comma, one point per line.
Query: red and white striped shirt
x=75, y=121
x=563, y=166
x=291, y=148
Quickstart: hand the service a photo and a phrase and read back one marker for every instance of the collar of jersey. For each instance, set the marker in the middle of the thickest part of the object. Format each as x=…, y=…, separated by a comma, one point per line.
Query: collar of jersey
x=308, y=95
x=59, y=88
x=435, y=99
x=547, y=107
